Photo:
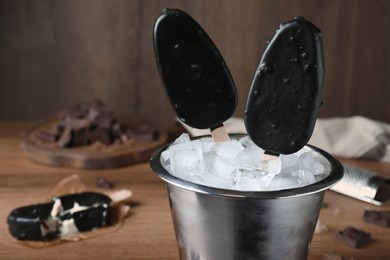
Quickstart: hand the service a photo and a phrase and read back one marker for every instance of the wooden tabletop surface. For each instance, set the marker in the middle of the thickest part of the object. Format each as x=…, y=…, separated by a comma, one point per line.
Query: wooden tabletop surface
x=147, y=232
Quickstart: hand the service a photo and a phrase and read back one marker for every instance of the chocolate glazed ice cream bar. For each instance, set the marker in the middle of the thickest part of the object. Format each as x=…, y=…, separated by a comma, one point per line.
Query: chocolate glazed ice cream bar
x=285, y=94
x=64, y=215
x=196, y=78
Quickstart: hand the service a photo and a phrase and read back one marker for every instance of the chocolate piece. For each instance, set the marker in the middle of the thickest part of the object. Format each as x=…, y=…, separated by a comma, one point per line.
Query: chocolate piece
x=80, y=137
x=116, y=131
x=84, y=124
x=70, y=213
x=100, y=134
x=88, y=123
x=102, y=182
x=379, y=218
x=353, y=237
x=195, y=76
x=285, y=95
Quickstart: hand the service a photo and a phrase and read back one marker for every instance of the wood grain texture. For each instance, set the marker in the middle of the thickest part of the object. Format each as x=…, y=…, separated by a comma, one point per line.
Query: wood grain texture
x=57, y=53
x=148, y=232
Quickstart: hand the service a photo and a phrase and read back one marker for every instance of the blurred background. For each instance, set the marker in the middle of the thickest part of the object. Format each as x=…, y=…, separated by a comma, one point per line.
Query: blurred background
x=54, y=53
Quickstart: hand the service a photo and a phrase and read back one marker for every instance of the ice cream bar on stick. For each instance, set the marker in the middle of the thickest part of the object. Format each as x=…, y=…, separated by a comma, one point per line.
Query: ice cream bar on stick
x=196, y=78
x=285, y=95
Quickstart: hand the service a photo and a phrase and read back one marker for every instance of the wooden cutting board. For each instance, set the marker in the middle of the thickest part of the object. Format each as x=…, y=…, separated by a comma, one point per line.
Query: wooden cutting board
x=90, y=156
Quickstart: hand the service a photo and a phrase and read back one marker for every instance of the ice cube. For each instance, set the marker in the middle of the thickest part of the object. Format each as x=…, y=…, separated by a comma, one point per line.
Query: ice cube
x=229, y=149
x=183, y=138
x=250, y=157
x=270, y=165
x=209, y=160
x=207, y=144
x=244, y=180
x=246, y=141
x=309, y=162
x=289, y=161
x=235, y=177
x=218, y=182
x=266, y=178
x=255, y=180
x=303, y=177
x=165, y=156
x=281, y=182
x=187, y=159
x=223, y=166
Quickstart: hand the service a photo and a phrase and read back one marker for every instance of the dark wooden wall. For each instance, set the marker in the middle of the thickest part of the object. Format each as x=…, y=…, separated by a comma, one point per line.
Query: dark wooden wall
x=56, y=53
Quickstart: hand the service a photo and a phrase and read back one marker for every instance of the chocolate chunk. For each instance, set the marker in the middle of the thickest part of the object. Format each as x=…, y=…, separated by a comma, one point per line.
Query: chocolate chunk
x=84, y=124
x=353, y=237
x=80, y=137
x=100, y=134
x=89, y=123
x=102, y=182
x=379, y=218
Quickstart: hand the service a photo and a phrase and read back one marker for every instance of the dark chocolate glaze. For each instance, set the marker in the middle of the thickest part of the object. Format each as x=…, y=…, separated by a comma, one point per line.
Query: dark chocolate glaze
x=25, y=222
x=195, y=76
x=285, y=95
x=94, y=217
x=83, y=199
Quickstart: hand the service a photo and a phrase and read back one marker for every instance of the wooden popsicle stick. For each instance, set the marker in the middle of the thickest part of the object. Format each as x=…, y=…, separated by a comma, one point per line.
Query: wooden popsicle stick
x=269, y=161
x=219, y=134
x=269, y=157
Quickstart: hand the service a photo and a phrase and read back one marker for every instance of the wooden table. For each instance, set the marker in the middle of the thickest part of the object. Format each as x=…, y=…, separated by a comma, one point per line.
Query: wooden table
x=148, y=232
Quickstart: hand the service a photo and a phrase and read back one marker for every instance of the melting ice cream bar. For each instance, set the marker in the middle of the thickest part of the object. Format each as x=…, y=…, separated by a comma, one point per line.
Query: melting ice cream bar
x=195, y=76
x=285, y=95
x=64, y=215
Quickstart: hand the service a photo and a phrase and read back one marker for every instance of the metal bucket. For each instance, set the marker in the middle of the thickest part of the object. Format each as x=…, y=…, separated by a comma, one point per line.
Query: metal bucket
x=213, y=224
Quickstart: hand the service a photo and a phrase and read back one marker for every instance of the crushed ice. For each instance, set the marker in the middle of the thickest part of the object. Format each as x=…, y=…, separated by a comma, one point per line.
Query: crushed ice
x=239, y=165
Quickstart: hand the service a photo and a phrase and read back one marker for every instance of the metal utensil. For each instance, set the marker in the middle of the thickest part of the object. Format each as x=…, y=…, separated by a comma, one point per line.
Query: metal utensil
x=364, y=185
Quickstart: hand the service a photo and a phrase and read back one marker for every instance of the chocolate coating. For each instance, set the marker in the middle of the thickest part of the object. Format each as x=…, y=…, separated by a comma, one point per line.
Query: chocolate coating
x=285, y=95
x=195, y=76
x=24, y=222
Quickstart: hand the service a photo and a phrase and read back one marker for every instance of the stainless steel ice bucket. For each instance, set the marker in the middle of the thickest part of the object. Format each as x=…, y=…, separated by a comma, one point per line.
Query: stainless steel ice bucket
x=215, y=224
